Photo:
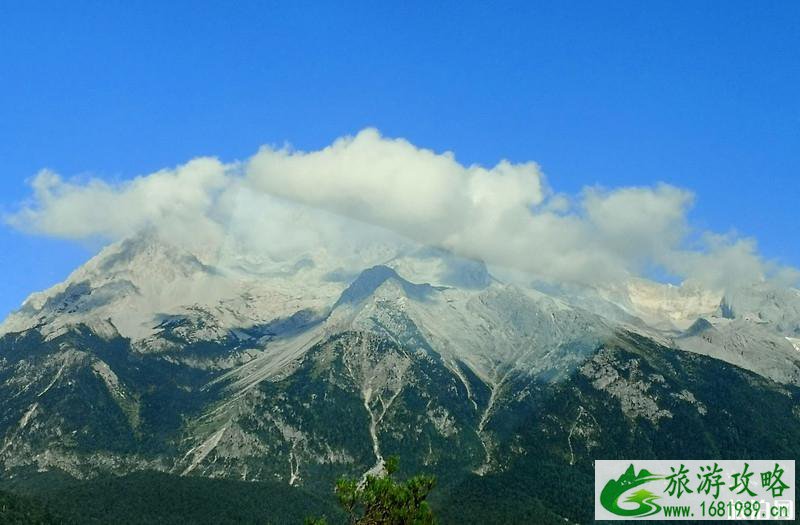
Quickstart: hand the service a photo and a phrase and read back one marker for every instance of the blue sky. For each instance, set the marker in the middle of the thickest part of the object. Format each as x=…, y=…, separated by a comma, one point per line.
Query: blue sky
x=700, y=95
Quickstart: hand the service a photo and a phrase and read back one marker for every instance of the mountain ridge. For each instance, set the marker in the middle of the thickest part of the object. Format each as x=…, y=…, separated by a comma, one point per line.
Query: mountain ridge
x=295, y=377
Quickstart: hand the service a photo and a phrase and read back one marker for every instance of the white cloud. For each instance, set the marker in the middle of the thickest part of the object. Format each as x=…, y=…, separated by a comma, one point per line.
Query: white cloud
x=639, y=223
x=392, y=183
x=94, y=208
x=362, y=188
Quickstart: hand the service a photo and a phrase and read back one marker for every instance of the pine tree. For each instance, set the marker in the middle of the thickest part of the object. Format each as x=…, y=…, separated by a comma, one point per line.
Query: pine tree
x=384, y=501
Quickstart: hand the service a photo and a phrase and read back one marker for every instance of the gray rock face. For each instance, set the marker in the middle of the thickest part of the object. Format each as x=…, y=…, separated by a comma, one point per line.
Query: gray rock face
x=294, y=376
x=632, y=389
x=766, y=304
x=752, y=346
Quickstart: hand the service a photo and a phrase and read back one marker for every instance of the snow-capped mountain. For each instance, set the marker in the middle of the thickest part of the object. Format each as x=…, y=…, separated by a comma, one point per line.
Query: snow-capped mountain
x=137, y=283
x=302, y=368
x=144, y=287
x=762, y=304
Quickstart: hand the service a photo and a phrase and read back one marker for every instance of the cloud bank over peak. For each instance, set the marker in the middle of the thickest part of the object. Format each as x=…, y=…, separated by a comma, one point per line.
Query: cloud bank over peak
x=391, y=183
x=368, y=188
x=95, y=208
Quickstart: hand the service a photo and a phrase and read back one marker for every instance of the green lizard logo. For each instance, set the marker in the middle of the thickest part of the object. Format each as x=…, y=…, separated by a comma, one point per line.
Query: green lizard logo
x=614, y=489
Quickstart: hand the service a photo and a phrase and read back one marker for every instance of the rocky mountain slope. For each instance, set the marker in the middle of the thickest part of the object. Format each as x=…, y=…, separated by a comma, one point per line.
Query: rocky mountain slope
x=300, y=370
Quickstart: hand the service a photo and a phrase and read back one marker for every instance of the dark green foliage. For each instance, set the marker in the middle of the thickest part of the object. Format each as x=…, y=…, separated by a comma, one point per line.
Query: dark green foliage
x=384, y=501
x=158, y=498
x=15, y=509
x=160, y=394
x=745, y=416
x=541, y=472
x=536, y=491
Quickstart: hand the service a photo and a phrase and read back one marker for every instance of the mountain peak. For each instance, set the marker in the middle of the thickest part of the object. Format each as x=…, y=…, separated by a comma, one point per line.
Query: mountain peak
x=145, y=254
x=698, y=327
x=441, y=267
x=127, y=282
x=371, y=279
x=764, y=303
